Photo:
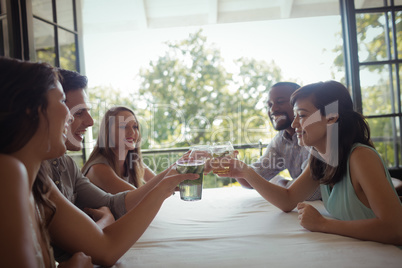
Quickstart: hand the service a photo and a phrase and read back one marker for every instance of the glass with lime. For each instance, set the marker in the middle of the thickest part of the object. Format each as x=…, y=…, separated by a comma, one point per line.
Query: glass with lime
x=191, y=190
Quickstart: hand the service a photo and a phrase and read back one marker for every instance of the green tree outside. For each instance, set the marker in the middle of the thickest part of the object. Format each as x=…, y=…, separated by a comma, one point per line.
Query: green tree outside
x=187, y=97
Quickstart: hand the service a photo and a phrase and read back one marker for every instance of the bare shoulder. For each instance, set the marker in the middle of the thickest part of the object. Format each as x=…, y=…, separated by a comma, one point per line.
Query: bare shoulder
x=363, y=154
x=101, y=169
x=11, y=166
x=365, y=163
x=14, y=176
x=10, y=161
x=100, y=172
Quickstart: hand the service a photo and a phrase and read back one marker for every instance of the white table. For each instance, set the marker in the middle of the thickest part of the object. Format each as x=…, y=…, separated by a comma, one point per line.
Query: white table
x=236, y=227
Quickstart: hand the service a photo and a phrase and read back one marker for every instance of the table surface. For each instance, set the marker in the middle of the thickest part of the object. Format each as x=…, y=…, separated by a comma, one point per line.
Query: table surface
x=236, y=227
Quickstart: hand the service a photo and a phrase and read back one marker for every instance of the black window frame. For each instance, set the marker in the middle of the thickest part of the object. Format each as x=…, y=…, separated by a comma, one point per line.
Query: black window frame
x=352, y=66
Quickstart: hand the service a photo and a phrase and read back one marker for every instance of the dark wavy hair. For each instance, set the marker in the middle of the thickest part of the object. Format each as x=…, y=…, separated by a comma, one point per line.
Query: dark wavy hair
x=23, y=94
x=333, y=97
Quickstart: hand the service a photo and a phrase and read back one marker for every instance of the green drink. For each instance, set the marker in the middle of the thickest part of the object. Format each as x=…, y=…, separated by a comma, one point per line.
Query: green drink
x=191, y=190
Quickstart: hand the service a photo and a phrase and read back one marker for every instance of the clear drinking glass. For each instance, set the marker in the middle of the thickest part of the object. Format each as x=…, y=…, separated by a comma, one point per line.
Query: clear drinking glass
x=200, y=152
x=219, y=151
x=191, y=190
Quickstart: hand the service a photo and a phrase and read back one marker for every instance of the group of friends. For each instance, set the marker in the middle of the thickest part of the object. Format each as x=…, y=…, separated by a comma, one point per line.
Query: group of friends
x=57, y=213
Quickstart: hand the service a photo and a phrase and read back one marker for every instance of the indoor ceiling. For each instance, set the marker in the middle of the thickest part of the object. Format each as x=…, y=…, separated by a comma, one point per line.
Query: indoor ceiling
x=150, y=14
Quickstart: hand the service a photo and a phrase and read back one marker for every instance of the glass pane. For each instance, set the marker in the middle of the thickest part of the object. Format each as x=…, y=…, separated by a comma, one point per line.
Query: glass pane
x=44, y=42
x=2, y=33
x=400, y=90
x=67, y=50
x=378, y=94
x=371, y=37
x=398, y=22
x=398, y=2
x=65, y=15
x=43, y=9
x=369, y=3
x=384, y=134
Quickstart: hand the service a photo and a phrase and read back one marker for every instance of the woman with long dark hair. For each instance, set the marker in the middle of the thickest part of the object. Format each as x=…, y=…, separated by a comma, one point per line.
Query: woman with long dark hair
x=33, y=125
x=355, y=184
x=33, y=128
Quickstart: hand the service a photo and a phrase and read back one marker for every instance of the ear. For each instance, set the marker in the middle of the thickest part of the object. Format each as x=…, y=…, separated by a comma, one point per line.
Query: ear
x=332, y=118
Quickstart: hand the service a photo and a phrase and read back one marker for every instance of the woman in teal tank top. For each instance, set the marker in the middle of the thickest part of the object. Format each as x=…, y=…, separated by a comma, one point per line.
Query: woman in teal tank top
x=355, y=184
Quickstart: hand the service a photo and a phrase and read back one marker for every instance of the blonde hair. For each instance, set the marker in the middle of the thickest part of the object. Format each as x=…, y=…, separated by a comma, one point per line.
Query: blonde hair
x=105, y=144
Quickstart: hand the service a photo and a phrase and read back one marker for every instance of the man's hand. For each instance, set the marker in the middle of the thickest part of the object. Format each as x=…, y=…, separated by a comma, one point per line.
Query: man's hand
x=102, y=216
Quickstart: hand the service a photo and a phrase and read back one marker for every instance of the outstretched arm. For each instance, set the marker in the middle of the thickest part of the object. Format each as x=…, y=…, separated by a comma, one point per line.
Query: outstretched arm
x=283, y=198
x=102, y=216
x=134, y=197
x=73, y=231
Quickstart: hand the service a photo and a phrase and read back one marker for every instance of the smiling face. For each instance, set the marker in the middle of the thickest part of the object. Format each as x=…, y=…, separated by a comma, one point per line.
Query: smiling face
x=280, y=110
x=310, y=126
x=77, y=102
x=126, y=130
x=54, y=123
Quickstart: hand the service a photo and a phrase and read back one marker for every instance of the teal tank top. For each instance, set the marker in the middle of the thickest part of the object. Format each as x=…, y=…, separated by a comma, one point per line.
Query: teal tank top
x=342, y=202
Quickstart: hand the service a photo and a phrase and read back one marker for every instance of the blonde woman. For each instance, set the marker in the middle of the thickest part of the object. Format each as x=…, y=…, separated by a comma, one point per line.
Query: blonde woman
x=115, y=164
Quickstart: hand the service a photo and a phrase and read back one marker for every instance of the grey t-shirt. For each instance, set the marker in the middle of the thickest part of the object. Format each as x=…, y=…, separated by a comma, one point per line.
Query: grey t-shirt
x=80, y=191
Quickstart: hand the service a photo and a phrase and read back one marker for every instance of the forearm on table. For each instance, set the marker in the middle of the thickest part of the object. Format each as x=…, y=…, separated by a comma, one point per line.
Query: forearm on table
x=370, y=229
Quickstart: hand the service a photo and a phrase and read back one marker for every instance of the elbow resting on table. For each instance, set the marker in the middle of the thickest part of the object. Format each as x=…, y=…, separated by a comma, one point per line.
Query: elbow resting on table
x=398, y=239
x=287, y=209
x=107, y=259
x=106, y=253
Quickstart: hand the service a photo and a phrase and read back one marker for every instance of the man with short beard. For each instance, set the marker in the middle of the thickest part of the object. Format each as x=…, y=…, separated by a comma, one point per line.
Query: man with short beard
x=283, y=152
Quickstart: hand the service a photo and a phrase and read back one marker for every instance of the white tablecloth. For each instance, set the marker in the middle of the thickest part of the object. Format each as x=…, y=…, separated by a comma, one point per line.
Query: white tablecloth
x=236, y=227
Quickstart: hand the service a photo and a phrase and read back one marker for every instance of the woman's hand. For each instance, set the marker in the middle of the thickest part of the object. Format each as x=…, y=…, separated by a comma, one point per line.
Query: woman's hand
x=310, y=218
x=78, y=260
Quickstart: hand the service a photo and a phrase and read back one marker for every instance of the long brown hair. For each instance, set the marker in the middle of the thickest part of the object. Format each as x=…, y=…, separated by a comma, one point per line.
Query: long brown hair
x=333, y=97
x=23, y=93
x=105, y=144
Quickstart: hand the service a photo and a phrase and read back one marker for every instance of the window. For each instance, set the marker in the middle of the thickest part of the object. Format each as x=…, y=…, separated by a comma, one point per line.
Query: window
x=56, y=38
x=373, y=61
x=55, y=33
